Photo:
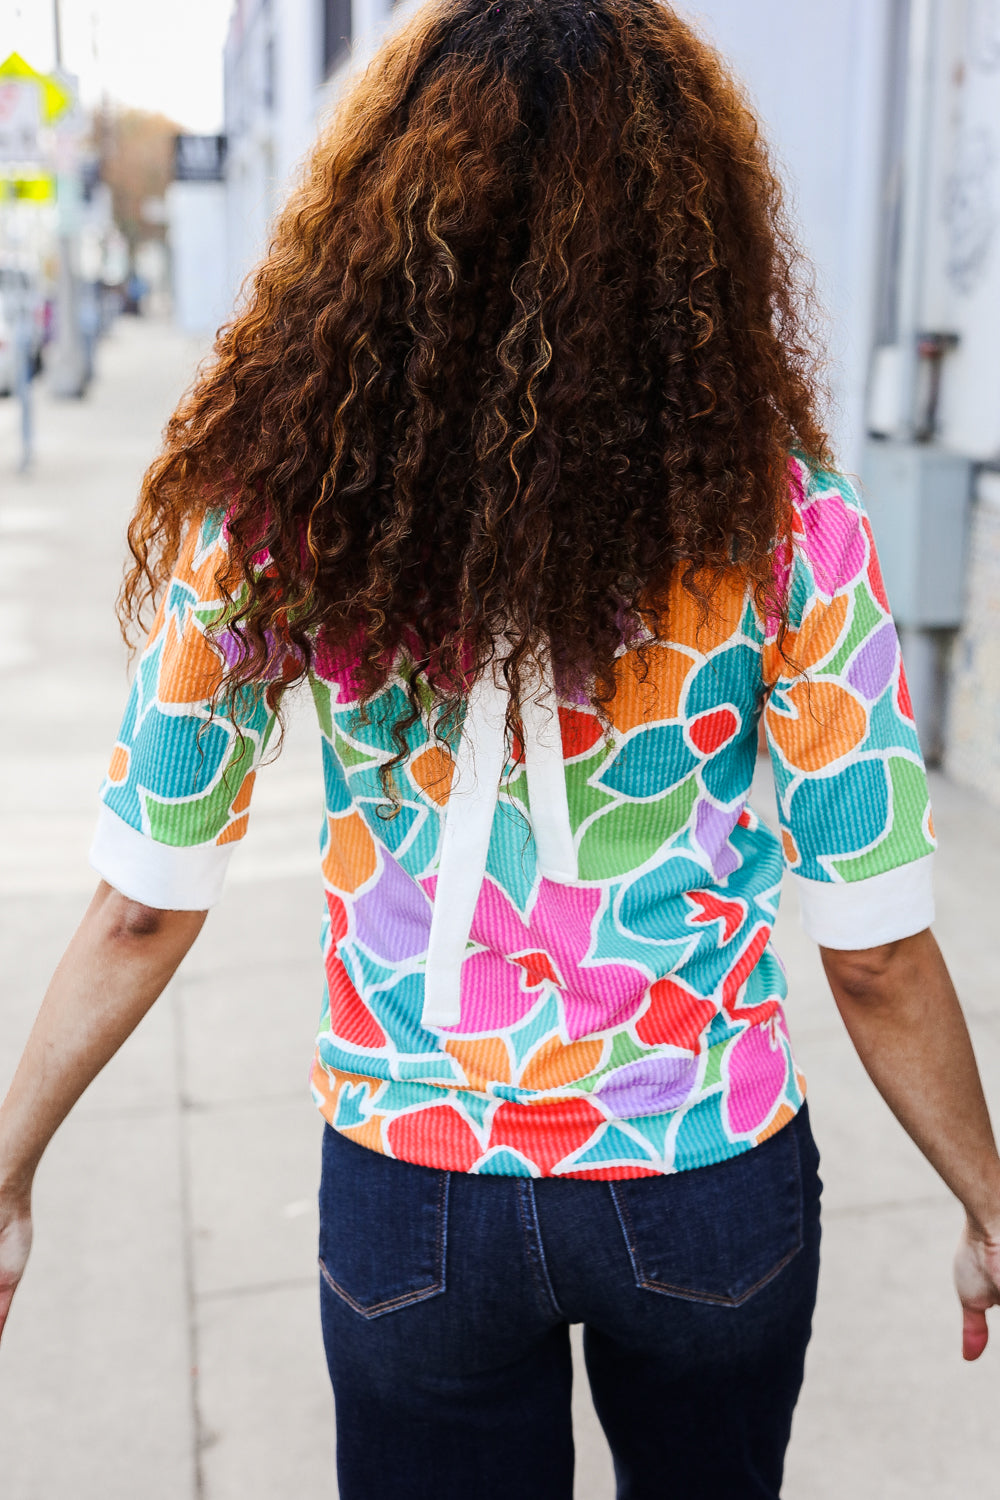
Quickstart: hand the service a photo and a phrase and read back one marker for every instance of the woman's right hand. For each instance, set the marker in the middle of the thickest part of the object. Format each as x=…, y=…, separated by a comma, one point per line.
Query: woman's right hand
x=15, y=1242
x=977, y=1281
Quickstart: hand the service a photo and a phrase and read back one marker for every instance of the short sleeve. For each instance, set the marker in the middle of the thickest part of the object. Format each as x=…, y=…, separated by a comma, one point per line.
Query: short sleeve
x=176, y=797
x=853, y=803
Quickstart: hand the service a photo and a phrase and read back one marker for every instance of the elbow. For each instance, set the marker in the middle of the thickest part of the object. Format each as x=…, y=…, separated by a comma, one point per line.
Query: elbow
x=861, y=975
x=138, y=921
x=129, y=921
x=866, y=976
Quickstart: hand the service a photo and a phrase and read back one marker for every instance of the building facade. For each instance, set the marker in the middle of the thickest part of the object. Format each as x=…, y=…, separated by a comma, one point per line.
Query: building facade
x=284, y=61
x=955, y=244
x=884, y=116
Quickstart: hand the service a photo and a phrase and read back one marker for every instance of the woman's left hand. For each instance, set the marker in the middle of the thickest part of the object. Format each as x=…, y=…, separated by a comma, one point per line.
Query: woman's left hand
x=977, y=1281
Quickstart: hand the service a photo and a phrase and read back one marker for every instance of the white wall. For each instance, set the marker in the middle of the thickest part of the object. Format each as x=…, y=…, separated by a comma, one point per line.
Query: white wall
x=200, y=280
x=963, y=291
x=816, y=71
x=268, y=140
x=298, y=42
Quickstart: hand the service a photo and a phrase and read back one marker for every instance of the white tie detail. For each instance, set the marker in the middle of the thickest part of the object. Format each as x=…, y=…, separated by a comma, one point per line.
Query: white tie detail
x=468, y=823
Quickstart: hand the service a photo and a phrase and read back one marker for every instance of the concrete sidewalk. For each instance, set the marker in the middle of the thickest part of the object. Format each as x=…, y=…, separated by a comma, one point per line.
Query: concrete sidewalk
x=166, y=1341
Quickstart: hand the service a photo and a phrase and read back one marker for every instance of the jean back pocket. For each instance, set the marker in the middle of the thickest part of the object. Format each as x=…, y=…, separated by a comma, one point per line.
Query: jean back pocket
x=383, y=1228
x=717, y=1233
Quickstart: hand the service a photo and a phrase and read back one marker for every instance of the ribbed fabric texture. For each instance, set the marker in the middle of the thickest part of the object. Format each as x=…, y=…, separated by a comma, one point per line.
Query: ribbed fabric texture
x=622, y=1016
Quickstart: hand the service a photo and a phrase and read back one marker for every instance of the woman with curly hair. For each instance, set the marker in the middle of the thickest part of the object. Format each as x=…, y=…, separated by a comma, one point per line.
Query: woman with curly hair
x=515, y=454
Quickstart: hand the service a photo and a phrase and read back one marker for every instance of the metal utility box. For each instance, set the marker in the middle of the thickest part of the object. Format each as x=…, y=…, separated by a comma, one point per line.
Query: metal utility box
x=918, y=497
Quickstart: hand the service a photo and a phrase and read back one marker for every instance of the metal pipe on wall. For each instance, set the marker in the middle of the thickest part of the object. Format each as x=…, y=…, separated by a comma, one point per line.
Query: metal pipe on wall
x=919, y=116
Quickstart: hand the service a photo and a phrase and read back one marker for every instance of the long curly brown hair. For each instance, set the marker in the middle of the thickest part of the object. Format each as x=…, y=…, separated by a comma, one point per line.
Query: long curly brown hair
x=530, y=338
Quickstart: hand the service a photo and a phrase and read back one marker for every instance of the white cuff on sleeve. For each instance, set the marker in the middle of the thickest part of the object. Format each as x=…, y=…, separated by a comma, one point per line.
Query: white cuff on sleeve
x=865, y=913
x=163, y=876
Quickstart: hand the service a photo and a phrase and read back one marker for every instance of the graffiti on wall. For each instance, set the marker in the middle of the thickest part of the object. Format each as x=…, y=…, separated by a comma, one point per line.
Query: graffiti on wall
x=971, y=207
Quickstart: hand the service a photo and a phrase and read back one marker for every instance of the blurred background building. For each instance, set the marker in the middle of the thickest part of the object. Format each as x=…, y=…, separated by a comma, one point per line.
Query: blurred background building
x=886, y=114
x=885, y=117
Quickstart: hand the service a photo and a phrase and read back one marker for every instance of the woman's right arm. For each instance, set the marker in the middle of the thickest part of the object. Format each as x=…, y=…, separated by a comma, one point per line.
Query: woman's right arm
x=903, y=1015
x=118, y=962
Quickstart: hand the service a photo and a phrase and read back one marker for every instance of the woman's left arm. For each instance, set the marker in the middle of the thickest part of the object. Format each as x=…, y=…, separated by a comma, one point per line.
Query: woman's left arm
x=118, y=962
x=903, y=1015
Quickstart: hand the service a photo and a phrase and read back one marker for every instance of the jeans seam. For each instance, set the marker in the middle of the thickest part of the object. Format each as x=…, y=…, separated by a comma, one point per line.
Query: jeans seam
x=531, y=1230
x=628, y=1232
x=442, y=1237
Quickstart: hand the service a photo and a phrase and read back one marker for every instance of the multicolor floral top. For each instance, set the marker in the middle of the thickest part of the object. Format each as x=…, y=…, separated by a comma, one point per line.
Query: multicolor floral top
x=555, y=959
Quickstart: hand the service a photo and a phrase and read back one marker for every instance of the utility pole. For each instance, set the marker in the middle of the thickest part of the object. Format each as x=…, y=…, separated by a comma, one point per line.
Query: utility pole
x=68, y=366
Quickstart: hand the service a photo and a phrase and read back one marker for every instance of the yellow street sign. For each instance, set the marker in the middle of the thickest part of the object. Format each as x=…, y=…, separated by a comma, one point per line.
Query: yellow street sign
x=37, y=189
x=55, y=96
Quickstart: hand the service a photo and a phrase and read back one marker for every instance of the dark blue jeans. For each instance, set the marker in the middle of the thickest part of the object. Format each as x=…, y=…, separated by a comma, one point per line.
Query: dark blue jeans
x=447, y=1300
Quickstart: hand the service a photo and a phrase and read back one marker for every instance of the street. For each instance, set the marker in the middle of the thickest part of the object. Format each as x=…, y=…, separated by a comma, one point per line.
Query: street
x=166, y=1342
